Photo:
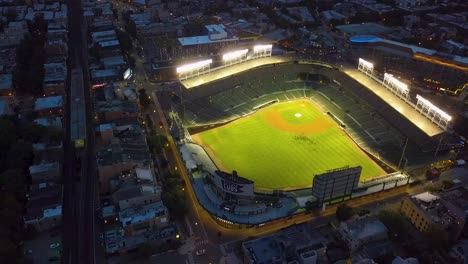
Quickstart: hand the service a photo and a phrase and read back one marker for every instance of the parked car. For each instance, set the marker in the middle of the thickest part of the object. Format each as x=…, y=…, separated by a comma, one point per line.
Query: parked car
x=200, y=252
x=54, y=245
x=53, y=259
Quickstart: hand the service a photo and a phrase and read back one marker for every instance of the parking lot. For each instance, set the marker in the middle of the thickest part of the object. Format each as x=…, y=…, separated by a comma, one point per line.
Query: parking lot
x=45, y=248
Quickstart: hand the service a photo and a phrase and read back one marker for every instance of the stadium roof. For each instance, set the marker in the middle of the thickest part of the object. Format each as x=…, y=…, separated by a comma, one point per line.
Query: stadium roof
x=224, y=72
x=392, y=100
x=201, y=40
x=413, y=48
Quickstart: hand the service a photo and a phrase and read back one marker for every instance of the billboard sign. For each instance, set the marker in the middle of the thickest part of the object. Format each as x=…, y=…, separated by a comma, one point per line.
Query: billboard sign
x=233, y=187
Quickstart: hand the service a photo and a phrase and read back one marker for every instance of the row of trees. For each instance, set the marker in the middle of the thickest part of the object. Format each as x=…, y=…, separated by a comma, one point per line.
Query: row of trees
x=16, y=141
x=174, y=195
x=30, y=58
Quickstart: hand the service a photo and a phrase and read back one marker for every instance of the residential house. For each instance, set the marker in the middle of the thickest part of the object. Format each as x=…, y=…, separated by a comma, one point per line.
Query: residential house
x=47, y=172
x=44, y=206
x=139, y=219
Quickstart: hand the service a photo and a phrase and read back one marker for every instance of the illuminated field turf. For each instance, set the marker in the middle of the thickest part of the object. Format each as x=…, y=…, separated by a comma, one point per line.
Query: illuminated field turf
x=283, y=146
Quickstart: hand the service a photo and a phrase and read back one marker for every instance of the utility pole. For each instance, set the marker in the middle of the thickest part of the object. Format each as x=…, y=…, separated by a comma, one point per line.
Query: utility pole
x=438, y=145
x=403, y=153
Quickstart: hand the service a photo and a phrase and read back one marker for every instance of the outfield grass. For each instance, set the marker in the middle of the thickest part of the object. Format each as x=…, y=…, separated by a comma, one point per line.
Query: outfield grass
x=283, y=146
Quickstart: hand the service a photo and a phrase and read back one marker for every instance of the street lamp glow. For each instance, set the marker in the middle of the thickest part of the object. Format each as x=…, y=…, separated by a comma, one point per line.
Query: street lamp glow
x=234, y=55
x=403, y=87
x=434, y=108
x=193, y=66
x=366, y=63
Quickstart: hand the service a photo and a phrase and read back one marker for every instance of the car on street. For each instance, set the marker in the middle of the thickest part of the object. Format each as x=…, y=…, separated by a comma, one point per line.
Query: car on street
x=54, y=245
x=53, y=259
x=200, y=252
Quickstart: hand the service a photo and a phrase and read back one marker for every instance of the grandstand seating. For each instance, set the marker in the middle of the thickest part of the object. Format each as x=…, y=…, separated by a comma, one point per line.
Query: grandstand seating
x=238, y=95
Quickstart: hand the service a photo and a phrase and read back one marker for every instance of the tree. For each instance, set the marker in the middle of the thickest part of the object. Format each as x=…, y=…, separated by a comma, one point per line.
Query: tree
x=95, y=51
x=131, y=28
x=145, y=250
x=131, y=62
x=125, y=41
x=12, y=180
x=29, y=74
x=176, y=201
x=396, y=223
x=144, y=99
x=344, y=212
x=436, y=238
x=157, y=142
x=11, y=14
x=7, y=134
x=447, y=184
x=33, y=132
x=20, y=155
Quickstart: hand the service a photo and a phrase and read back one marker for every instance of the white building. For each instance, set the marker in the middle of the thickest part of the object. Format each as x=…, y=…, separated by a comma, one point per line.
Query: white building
x=359, y=232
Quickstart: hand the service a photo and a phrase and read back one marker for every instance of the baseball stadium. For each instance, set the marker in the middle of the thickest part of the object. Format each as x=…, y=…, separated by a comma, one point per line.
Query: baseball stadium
x=262, y=135
x=278, y=122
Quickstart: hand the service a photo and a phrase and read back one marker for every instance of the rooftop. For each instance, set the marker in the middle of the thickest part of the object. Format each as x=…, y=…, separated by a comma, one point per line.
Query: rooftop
x=43, y=103
x=140, y=214
x=414, y=49
x=128, y=145
x=46, y=167
x=457, y=196
x=109, y=211
x=129, y=192
x=117, y=105
x=103, y=73
x=201, y=40
x=109, y=43
x=54, y=72
x=363, y=228
x=144, y=174
x=435, y=208
x=49, y=121
x=113, y=61
x=6, y=81
x=365, y=28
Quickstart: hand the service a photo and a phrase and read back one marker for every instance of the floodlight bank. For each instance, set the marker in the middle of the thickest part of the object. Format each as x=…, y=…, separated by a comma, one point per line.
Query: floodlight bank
x=262, y=47
x=234, y=54
x=193, y=66
x=366, y=63
x=434, y=108
x=396, y=82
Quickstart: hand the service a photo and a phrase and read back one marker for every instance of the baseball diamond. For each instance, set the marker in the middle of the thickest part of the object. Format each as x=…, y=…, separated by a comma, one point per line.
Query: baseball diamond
x=282, y=146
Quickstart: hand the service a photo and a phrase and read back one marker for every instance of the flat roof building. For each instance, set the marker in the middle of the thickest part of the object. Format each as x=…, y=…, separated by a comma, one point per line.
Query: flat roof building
x=359, y=232
x=427, y=209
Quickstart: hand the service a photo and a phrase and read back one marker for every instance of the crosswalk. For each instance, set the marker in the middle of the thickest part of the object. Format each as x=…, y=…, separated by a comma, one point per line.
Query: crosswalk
x=190, y=259
x=222, y=248
x=201, y=242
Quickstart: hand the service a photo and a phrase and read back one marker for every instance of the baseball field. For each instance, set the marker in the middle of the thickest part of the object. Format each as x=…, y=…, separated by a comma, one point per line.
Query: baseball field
x=282, y=146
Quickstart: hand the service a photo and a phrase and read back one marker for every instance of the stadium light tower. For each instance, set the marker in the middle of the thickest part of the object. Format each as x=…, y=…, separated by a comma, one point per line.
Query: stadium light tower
x=365, y=67
x=435, y=114
x=396, y=86
x=234, y=57
x=193, y=69
x=260, y=51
